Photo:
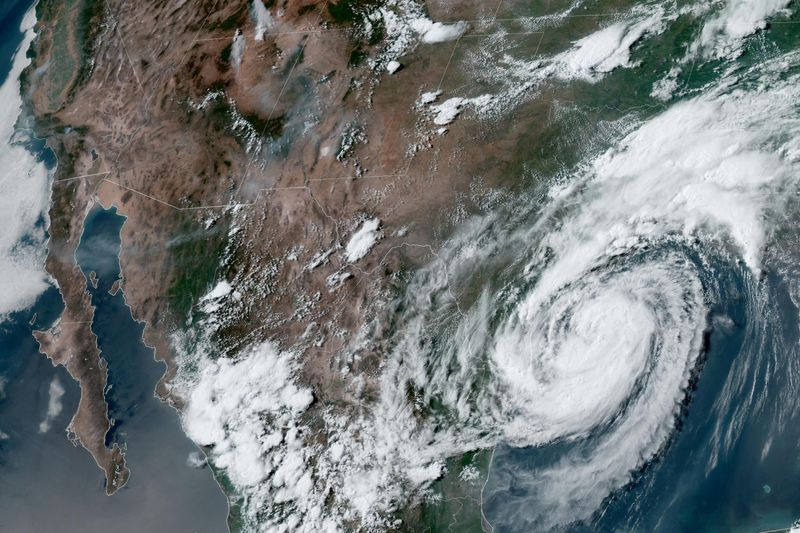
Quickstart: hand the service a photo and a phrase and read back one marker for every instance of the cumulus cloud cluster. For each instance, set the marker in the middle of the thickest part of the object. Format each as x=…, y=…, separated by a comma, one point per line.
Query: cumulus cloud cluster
x=723, y=34
x=589, y=59
x=363, y=240
x=231, y=400
x=700, y=171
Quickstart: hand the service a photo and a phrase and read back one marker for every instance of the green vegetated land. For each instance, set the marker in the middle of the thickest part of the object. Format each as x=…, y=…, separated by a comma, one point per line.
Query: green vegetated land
x=75, y=27
x=559, y=126
x=457, y=505
x=196, y=256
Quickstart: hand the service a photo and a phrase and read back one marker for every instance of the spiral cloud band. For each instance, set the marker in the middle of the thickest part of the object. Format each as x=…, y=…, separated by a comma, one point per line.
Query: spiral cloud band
x=573, y=324
x=593, y=316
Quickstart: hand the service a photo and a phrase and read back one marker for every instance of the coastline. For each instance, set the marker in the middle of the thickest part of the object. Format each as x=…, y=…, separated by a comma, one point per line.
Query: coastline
x=165, y=397
x=205, y=206
x=71, y=343
x=288, y=353
x=85, y=420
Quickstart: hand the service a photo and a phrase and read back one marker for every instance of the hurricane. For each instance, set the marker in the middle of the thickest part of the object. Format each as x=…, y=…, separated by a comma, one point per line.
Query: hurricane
x=565, y=330
x=581, y=321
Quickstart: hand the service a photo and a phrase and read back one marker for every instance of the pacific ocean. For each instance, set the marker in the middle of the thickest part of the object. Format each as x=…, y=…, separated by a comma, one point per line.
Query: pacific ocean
x=48, y=484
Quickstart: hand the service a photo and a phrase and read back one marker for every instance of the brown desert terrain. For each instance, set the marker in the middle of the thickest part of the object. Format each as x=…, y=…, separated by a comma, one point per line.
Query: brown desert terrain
x=254, y=166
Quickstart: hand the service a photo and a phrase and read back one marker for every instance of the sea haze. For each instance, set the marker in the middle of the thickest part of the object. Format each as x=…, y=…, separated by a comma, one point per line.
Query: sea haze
x=48, y=484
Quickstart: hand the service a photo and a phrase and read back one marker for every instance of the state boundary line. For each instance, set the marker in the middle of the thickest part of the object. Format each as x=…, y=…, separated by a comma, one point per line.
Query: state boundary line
x=177, y=65
x=266, y=189
x=125, y=50
x=489, y=20
x=275, y=106
x=488, y=34
x=84, y=176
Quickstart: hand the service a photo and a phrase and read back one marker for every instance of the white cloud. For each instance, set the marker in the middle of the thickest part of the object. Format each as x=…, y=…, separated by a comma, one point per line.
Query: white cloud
x=607, y=49
x=195, y=460
x=54, y=405
x=447, y=111
x=215, y=297
x=428, y=98
x=228, y=402
x=723, y=34
x=665, y=88
x=406, y=25
x=590, y=59
x=436, y=32
x=693, y=173
x=363, y=240
x=24, y=182
x=248, y=412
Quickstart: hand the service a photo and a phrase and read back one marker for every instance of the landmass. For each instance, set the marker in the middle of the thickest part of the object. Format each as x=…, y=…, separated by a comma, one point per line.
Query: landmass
x=72, y=344
x=252, y=151
x=299, y=179
x=115, y=287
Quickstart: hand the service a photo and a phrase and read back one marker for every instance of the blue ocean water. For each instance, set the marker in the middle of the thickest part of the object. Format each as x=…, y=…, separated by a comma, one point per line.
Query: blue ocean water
x=731, y=465
x=733, y=461
x=46, y=483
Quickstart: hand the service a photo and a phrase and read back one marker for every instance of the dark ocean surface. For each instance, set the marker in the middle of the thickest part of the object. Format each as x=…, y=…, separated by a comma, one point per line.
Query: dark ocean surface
x=732, y=463
x=46, y=483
